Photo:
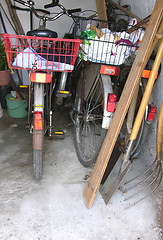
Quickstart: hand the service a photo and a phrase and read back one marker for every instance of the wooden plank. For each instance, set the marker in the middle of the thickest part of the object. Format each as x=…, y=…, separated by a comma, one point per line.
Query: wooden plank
x=15, y=19
x=125, y=10
x=102, y=14
x=4, y=12
x=142, y=23
x=160, y=31
x=123, y=105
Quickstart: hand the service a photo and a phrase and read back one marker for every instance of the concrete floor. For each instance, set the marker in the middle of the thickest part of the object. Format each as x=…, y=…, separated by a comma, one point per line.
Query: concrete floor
x=54, y=208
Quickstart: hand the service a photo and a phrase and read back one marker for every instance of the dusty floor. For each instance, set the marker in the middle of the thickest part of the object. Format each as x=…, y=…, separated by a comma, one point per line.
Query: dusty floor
x=54, y=208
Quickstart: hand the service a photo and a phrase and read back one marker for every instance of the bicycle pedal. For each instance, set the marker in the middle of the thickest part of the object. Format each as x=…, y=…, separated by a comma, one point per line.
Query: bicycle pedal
x=63, y=94
x=58, y=134
x=22, y=88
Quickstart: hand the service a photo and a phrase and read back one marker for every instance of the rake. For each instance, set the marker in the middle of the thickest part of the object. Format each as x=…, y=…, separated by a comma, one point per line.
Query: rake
x=154, y=171
x=151, y=182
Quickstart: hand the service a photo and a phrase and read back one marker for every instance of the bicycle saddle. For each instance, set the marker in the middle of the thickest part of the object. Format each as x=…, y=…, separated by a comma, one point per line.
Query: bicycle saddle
x=42, y=32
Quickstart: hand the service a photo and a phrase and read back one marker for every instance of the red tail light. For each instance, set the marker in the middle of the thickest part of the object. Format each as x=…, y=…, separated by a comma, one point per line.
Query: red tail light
x=151, y=112
x=38, y=121
x=111, y=103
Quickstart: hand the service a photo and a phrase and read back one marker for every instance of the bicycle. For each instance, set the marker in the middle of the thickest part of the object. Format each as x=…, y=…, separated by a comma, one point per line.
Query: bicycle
x=106, y=59
x=43, y=54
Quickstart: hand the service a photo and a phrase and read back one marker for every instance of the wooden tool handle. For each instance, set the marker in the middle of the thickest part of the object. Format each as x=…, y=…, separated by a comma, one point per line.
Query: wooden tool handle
x=147, y=92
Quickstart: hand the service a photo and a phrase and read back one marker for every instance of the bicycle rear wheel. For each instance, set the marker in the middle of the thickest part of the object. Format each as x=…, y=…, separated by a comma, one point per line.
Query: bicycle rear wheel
x=38, y=130
x=89, y=106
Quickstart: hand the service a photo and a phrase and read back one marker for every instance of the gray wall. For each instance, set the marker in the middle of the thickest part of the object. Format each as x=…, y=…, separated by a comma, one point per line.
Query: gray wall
x=141, y=8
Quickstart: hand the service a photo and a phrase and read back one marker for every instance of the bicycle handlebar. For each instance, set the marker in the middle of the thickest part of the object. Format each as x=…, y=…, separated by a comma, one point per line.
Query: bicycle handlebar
x=68, y=12
x=28, y=9
x=23, y=3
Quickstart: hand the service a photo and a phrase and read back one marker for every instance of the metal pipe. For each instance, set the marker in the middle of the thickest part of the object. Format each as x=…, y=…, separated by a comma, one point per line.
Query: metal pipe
x=63, y=80
x=62, y=86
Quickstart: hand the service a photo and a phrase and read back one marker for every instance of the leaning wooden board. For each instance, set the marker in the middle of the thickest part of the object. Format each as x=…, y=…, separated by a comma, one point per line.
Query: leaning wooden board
x=123, y=105
x=102, y=14
x=15, y=18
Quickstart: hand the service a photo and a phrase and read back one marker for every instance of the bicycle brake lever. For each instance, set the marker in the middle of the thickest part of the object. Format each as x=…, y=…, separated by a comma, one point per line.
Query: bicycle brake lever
x=53, y=4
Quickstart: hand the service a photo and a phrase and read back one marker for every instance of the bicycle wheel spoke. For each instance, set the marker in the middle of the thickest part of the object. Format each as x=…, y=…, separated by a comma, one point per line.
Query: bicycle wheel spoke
x=100, y=104
x=89, y=132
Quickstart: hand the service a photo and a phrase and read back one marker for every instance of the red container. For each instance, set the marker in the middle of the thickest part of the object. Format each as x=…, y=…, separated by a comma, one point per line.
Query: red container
x=39, y=53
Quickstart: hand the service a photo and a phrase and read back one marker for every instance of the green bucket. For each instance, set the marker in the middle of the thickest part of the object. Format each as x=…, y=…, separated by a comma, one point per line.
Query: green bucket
x=16, y=108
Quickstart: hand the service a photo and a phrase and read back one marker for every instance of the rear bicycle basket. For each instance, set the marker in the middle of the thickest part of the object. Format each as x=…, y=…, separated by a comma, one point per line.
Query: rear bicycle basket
x=100, y=44
x=39, y=53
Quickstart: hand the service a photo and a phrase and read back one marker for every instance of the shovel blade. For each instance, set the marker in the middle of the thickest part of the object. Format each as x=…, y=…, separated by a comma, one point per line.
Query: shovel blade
x=114, y=179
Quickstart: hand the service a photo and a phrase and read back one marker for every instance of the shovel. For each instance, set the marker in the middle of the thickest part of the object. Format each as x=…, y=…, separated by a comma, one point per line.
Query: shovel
x=118, y=173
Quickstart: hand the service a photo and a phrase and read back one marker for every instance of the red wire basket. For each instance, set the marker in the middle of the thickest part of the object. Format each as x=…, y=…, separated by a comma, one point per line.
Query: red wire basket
x=39, y=53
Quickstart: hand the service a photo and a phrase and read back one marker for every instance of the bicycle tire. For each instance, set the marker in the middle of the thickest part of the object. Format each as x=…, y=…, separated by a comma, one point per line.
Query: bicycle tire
x=37, y=164
x=89, y=134
x=38, y=134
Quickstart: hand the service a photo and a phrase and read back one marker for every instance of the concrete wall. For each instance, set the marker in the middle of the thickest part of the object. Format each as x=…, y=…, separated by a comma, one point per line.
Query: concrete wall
x=141, y=8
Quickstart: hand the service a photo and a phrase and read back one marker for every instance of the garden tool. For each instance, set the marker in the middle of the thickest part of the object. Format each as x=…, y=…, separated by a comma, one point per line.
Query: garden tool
x=155, y=169
x=113, y=182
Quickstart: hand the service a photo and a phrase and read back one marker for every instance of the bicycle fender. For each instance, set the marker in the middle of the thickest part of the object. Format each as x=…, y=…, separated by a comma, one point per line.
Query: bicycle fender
x=107, y=86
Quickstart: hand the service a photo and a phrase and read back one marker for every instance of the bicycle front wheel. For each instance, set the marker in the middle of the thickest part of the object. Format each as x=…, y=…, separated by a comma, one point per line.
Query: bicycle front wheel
x=38, y=130
x=89, y=105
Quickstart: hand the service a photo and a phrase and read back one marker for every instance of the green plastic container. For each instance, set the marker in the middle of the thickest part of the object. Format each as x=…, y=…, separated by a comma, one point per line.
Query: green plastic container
x=16, y=108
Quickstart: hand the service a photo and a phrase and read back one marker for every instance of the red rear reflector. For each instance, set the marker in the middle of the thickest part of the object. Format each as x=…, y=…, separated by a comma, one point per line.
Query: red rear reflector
x=109, y=70
x=23, y=86
x=111, y=103
x=146, y=74
x=38, y=122
x=40, y=77
x=151, y=112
